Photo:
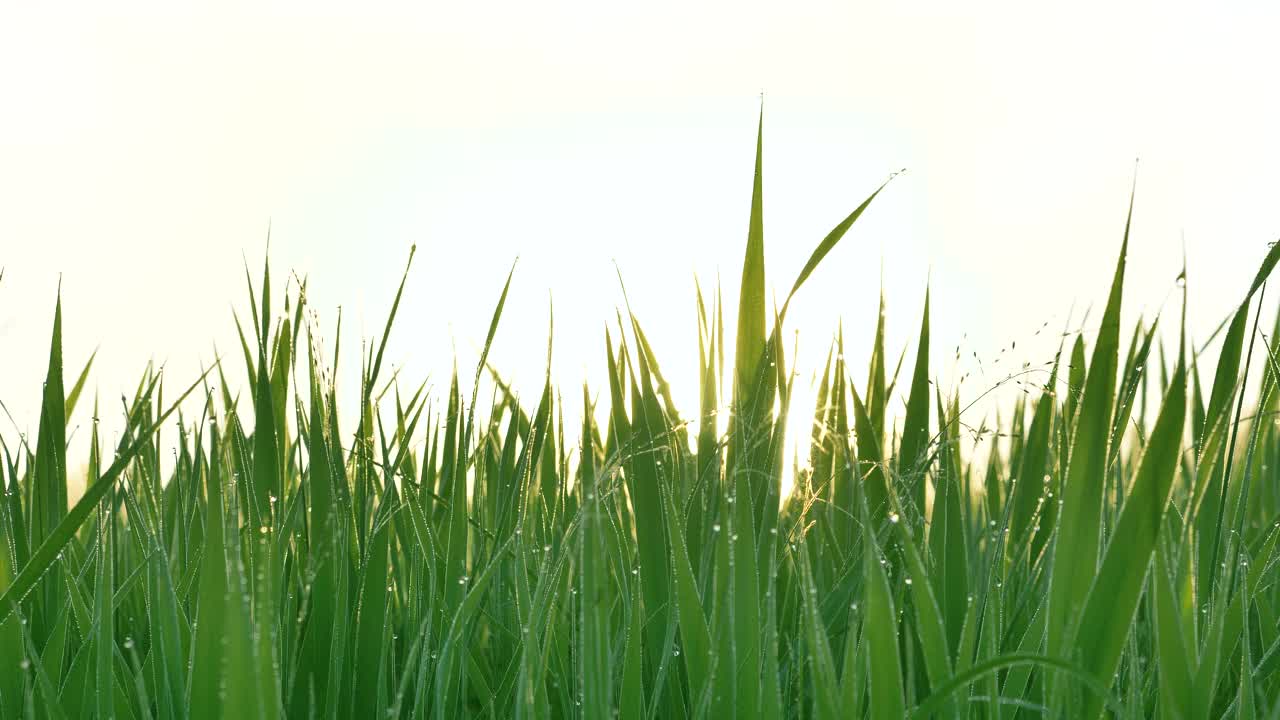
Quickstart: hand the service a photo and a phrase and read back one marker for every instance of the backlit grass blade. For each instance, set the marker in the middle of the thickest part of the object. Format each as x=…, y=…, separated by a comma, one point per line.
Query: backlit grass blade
x=948, y=539
x=886, y=687
x=695, y=636
x=915, y=423
x=49, y=479
x=1033, y=465
x=76, y=388
x=1080, y=517
x=931, y=629
x=596, y=643
x=47, y=552
x=1113, y=599
x=206, y=668
x=751, y=304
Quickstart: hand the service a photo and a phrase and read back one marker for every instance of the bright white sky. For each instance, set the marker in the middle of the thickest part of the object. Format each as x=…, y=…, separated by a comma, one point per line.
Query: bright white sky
x=144, y=151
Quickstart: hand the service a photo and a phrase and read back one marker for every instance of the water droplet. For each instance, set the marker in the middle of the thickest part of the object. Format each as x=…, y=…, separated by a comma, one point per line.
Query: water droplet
x=715, y=528
x=893, y=518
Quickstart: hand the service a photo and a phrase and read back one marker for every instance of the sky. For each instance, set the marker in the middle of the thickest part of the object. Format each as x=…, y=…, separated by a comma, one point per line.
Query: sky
x=146, y=148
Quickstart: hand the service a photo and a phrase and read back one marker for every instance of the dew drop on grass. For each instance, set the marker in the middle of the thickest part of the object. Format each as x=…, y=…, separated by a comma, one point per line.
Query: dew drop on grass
x=893, y=518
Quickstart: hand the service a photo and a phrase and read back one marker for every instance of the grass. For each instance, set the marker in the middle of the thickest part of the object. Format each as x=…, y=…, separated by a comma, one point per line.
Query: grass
x=1116, y=555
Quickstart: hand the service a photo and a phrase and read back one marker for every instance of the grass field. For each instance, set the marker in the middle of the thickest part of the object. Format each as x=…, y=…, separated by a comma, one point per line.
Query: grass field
x=441, y=557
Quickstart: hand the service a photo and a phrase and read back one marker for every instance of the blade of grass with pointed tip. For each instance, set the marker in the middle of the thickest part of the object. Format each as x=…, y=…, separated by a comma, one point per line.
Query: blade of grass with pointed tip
x=1080, y=516
x=47, y=552
x=948, y=540
x=49, y=480
x=882, y=632
x=1113, y=599
x=915, y=423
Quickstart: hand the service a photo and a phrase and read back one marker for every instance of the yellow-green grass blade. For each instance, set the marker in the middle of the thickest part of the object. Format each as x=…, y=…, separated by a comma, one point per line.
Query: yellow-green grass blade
x=49, y=481
x=870, y=464
x=948, y=540
x=822, y=667
x=915, y=423
x=12, y=650
x=47, y=552
x=1172, y=659
x=1075, y=554
x=205, y=698
x=930, y=627
x=695, y=636
x=631, y=705
x=886, y=686
x=938, y=698
x=77, y=388
x=596, y=643
x=1113, y=599
x=751, y=301
x=1033, y=465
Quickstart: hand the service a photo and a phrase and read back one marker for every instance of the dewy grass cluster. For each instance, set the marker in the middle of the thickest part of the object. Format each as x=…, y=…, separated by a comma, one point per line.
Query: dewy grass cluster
x=1115, y=556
